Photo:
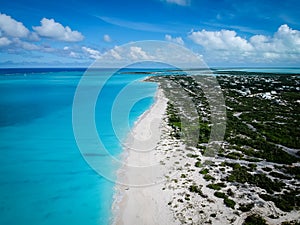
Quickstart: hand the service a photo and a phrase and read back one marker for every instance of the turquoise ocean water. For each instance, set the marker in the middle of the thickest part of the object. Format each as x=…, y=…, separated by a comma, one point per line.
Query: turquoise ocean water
x=44, y=180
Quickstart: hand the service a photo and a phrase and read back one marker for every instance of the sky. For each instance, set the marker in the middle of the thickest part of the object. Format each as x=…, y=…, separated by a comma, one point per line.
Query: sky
x=225, y=33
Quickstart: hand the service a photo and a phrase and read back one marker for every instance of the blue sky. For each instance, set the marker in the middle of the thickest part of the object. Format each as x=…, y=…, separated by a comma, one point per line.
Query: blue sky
x=75, y=33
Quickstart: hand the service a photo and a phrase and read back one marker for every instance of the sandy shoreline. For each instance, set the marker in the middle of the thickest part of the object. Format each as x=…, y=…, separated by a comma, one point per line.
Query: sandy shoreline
x=139, y=196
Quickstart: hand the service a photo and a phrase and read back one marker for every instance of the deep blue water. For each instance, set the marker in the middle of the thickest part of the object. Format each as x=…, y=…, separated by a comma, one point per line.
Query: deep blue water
x=44, y=179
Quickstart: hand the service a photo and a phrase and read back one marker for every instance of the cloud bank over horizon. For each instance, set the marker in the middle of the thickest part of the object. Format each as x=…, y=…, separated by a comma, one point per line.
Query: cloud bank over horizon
x=226, y=44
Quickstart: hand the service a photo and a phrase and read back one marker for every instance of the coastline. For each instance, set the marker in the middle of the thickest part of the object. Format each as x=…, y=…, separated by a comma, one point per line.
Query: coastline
x=139, y=196
x=191, y=184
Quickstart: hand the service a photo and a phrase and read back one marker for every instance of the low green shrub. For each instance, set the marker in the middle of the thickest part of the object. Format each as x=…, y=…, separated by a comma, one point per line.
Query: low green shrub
x=254, y=220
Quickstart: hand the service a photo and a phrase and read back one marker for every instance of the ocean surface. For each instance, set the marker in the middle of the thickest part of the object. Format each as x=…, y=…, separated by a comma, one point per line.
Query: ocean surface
x=44, y=179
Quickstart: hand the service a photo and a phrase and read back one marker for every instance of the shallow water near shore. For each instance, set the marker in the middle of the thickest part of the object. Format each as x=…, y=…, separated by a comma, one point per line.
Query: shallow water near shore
x=44, y=179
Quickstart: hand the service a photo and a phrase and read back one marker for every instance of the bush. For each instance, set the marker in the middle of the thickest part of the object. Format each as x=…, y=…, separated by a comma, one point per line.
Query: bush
x=196, y=189
x=204, y=171
x=230, y=192
x=267, y=169
x=234, y=155
x=198, y=164
x=191, y=155
x=208, y=177
x=217, y=186
x=229, y=202
x=220, y=194
x=292, y=170
x=279, y=175
x=290, y=223
x=252, y=166
x=240, y=175
x=286, y=202
x=246, y=207
x=254, y=220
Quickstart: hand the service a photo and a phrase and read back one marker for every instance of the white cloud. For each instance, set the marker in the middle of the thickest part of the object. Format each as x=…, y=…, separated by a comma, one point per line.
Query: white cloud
x=73, y=54
x=106, y=38
x=126, y=53
x=177, y=40
x=225, y=45
x=33, y=37
x=51, y=29
x=284, y=43
x=11, y=27
x=153, y=51
x=115, y=54
x=220, y=40
x=25, y=45
x=136, y=53
x=13, y=33
x=287, y=38
x=179, y=2
x=4, y=41
x=92, y=53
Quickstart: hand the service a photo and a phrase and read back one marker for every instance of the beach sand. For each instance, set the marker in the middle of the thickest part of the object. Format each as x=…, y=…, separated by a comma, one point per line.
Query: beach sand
x=141, y=198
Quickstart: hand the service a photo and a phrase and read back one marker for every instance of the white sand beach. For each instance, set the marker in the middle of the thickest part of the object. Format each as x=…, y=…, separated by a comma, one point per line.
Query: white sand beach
x=141, y=178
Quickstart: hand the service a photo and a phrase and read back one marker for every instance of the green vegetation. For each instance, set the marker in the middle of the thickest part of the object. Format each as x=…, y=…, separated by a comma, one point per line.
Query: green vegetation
x=194, y=188
x=287, y=201
x=217, y=186
x=290, y=223
x=254, y=220
x=174, y=120
x=246, y=207
x=208, y=177
x=197, y=189
x=240, y=174
x=267, y=150
x=220, y=194
x=229, y=203
x=234, y=155
x=204, y=171
x=256, y=128
x=230, y=192
x=252, y=166
x=267, y=169
x=262, y=130
x=291, y=170
x=279, y=175
x=198, y=164
x=253, y=132
x=191, y=155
